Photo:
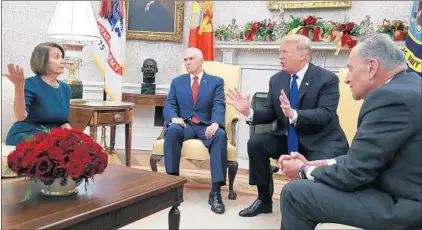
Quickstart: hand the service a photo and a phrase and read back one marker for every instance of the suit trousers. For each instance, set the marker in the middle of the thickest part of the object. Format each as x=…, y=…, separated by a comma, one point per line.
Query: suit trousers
x=262, y=147
x=217, y=146
x=306, y=203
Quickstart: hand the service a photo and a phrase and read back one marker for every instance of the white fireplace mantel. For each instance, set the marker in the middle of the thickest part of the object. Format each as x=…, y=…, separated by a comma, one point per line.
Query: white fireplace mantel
x=230, y=49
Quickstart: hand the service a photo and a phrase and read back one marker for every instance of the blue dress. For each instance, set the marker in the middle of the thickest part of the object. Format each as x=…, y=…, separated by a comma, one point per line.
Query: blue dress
x=46, y=106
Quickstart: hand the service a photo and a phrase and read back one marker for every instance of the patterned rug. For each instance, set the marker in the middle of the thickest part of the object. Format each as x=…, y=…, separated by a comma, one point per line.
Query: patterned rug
x=198, y=173
x=200, y=178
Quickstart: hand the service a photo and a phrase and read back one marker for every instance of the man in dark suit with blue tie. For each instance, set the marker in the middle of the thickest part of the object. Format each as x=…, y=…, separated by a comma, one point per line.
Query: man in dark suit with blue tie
x=303, y=99
x=195, y=108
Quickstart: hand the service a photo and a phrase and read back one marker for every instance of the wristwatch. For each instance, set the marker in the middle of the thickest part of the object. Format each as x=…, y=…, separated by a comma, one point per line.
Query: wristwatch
x=302, y=172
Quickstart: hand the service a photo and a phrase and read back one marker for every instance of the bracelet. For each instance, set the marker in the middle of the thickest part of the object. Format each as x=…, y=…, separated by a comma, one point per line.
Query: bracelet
x=302, y=172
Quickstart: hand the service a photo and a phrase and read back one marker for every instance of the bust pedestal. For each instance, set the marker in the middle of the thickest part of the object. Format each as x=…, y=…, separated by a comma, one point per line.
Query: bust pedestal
x=148, y=88
x=76, y=89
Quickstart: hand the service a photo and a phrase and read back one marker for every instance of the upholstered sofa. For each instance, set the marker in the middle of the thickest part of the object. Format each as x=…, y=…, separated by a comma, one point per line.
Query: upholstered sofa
x=8, y=94
x=334, y=226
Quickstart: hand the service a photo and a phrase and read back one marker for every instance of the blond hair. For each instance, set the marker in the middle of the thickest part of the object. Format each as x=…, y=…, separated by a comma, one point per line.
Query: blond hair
x=303, y=43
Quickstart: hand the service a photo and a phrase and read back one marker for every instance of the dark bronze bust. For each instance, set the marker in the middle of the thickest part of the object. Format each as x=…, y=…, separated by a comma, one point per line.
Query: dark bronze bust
x=149, y=69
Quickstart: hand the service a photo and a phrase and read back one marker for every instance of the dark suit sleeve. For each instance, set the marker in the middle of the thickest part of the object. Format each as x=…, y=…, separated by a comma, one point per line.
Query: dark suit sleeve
x=219, y=106
x=385, y=126
x=170, y=104
x=266, y=113
x=325, y=110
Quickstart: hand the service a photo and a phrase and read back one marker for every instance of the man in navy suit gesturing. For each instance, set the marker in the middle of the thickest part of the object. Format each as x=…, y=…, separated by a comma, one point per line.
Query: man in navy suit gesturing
x=195, y=108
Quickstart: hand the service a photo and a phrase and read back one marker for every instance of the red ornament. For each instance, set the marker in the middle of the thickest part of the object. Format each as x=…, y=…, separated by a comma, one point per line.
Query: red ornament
x=399, y=35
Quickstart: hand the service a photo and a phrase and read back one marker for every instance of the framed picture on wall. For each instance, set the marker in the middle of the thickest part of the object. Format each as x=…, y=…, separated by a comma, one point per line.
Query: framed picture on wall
x=274, y=5
x=160, y=20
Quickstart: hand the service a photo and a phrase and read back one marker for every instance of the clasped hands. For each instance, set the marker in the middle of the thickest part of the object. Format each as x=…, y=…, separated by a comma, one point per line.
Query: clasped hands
x=209, y=132
x=290, y=164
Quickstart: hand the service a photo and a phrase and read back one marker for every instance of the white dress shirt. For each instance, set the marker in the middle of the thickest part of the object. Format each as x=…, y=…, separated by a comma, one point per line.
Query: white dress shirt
x=199, y=78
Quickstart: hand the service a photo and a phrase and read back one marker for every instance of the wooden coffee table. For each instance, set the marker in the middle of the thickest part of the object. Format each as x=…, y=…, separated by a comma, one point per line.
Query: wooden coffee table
x=120, y=196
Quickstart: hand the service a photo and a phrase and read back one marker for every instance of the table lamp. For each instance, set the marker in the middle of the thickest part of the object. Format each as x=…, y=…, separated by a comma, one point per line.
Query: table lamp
x=74, y=26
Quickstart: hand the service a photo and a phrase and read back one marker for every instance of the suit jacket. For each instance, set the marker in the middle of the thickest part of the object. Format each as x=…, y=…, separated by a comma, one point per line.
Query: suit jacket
x=317, y=124
x=385, y=156
x=210, y=104
x=157, y=18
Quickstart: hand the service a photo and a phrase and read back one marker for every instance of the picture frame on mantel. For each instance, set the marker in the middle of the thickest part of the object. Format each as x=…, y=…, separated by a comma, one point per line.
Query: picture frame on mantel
x=274, y=5
x=159, y=20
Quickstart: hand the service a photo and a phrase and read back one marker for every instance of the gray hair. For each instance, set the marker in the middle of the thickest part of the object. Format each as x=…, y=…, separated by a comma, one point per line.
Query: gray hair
x=382, y=48
x=304, y=43
x=40, y=57
x=196, y=51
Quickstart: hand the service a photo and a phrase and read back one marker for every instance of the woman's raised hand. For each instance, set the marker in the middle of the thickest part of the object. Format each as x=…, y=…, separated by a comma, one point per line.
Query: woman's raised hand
x=15, y=75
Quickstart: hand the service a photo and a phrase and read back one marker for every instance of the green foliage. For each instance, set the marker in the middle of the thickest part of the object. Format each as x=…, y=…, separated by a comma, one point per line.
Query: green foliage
x=222, y=31
x=294, y=23
x=28, y=193
x=265, y=30
x=355, y=30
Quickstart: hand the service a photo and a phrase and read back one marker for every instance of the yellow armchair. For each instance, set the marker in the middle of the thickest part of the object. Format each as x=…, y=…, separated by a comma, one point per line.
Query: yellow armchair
x=348, y=108
x=194, y=149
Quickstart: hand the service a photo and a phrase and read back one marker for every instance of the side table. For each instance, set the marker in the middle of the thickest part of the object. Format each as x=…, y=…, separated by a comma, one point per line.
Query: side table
x=104, y=113
x=142, y=99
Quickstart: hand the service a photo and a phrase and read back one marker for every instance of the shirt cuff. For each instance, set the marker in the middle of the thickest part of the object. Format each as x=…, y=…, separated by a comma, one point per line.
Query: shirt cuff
x=294, y=119
x=250, y=117
x=331, y=161
x=308, y=173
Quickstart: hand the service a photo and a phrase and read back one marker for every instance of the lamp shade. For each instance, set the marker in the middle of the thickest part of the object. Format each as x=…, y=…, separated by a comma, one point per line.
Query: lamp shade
x=74, y=21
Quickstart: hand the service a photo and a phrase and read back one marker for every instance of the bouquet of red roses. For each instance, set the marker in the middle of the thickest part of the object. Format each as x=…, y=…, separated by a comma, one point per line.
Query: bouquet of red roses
x=58, y=154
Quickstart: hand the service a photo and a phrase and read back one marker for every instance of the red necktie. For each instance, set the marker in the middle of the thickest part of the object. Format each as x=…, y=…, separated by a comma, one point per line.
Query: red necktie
x=195, y=87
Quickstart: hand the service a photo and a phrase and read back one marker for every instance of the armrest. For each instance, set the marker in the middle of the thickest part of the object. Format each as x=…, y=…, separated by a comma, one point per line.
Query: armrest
x=161, y=136
x=235, y=120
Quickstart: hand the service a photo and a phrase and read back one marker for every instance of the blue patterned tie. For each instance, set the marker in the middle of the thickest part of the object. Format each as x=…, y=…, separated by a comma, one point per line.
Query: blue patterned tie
x=292, y=141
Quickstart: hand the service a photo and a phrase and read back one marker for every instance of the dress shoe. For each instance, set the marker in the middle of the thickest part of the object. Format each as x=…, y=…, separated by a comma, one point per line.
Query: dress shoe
x=216, y=203
x=256, y=208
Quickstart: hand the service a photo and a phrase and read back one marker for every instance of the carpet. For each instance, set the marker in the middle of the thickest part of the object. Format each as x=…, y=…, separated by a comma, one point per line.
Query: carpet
x=195, y=213
x=200, y=178
x=198, y=173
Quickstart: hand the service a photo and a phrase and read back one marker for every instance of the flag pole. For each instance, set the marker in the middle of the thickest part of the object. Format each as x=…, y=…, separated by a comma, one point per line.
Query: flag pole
x=104, y=94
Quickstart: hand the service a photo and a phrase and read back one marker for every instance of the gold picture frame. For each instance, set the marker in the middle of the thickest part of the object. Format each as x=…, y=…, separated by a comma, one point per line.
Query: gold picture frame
x=274, y=5
x=139, y=34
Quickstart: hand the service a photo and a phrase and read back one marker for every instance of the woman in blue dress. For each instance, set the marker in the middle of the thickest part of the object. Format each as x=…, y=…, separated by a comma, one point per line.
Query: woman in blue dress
x=41, y=101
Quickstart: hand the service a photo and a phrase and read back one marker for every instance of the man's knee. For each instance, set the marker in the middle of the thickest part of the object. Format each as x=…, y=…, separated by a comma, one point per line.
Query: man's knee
x=174, y=130
x=255, y=143
x=220, y=134
x=294, y=190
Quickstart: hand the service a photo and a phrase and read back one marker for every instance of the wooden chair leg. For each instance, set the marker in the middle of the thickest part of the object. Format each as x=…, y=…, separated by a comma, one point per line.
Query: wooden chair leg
x=153, y=161
x=233, y=166
x=272, y=171
x=271, y=186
